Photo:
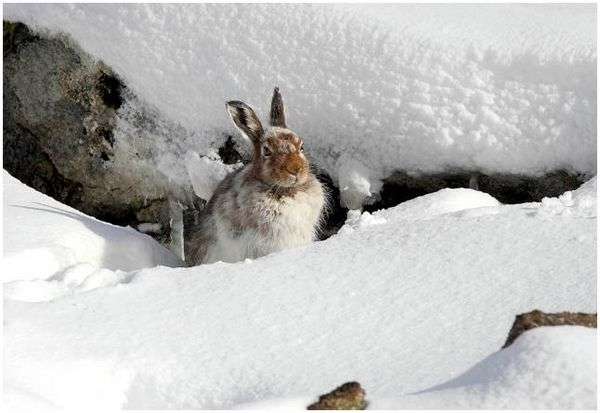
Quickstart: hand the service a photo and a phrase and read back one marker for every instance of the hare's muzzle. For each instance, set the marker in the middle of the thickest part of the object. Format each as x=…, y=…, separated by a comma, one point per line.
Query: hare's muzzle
x=294, y=165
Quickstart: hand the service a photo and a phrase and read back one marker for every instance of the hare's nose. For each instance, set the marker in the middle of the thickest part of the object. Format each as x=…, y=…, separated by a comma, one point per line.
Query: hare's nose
x=293, y=170
x=293, y=166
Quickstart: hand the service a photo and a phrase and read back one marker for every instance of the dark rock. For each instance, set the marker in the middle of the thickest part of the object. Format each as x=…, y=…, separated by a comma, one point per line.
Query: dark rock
x=16, y=30
x=229, y=153
x=349, y=396
x=42, y=173
x=109, y=88
x=537, y=318
x=507, y=188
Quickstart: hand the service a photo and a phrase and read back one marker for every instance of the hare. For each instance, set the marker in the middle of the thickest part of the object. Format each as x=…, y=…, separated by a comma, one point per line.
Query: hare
x=271, y=204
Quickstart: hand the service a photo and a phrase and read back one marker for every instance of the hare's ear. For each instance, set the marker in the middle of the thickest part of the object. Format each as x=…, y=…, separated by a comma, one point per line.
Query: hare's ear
x=277, y=113
x=245, y=119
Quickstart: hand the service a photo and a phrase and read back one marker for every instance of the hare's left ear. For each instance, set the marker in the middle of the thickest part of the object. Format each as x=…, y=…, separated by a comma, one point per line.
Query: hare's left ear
x=246, y=120
x=277, y=113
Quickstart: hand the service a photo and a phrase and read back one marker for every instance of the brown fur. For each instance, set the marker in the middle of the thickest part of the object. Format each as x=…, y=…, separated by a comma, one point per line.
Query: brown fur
x=285, y=162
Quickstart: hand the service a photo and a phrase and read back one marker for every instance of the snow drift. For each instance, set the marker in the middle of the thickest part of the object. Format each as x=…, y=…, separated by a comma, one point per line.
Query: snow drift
x=402, y=304
x=546, y=368
x=46, y=240
x=421, y=88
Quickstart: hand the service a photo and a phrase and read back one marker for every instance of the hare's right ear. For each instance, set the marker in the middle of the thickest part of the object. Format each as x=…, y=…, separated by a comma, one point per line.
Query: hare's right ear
x=245, y=119
x=277, y=112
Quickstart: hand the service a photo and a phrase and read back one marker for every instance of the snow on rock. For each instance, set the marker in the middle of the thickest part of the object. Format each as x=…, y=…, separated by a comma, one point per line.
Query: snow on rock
x=400, y=307
x=581, y=202
x=423, y=88
x=356, y=182
x=149, y=227
x=206, y=173
x=50, y=247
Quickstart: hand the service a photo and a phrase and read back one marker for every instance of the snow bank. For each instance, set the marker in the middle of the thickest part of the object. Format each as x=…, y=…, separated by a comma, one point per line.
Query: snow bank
x=546, y=368
x=400, y=307
x=581, y=202
x=51, y=249
x=498, y=88
x=429, y=206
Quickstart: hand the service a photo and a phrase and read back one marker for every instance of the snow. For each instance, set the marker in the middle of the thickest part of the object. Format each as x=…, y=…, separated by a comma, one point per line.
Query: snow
x=447, y=200
x=356, y=182
x=546, y=368
x=50, y=248
x=441, y=202
x=206, y=173
x=423, y=88
x=414, y=305
x=149, y=227
x=414, y=302
x=581, y=202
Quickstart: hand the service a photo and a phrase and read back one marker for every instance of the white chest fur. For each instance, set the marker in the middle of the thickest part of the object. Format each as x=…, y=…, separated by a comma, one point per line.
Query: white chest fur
x=285, y=223
x=295, y=219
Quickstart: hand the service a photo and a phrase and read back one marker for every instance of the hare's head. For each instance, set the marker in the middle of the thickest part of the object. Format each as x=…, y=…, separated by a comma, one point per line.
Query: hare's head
x=278, y=152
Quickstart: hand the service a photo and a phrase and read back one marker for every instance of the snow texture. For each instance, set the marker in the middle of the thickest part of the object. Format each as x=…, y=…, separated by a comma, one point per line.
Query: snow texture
x=546, y=368
x=581, y=202
x=422, y=88
x=356, y=182
x=51, y=249
x=415, y=307
x=206, y=174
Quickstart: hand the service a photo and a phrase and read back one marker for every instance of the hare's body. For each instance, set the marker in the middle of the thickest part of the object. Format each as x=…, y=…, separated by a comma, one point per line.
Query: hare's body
x=271, y=204
x=247, y=219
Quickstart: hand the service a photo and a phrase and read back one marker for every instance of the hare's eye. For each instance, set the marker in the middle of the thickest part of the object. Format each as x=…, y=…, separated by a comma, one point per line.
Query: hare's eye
x=301, y=147
x=266, y=151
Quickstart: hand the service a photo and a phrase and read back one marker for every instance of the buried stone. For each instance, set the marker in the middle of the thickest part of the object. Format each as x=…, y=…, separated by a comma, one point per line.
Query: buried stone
x=536, y=318
x=348, y=396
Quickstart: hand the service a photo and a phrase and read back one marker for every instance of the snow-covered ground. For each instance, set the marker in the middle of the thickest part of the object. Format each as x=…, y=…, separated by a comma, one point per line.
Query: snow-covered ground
x=546, y=368
x=51, y=249
x=413, y=302
x=496, y=88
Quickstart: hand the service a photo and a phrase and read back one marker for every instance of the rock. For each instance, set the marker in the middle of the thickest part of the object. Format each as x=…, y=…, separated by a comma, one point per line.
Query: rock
x=334, y=215
x=61, y=110
x=230, y=154
x=537, y=318
x=506, y=188
x=349, y=396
